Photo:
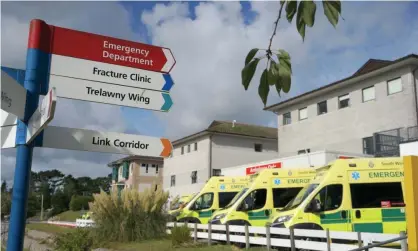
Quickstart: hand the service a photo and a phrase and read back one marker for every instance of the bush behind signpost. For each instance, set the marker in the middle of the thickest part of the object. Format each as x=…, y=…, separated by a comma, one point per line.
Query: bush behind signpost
x=132, y=216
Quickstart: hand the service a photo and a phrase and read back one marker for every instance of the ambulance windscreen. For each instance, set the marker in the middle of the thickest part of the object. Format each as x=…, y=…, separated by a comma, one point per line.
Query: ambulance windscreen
x=300, y=197
x=236, y=198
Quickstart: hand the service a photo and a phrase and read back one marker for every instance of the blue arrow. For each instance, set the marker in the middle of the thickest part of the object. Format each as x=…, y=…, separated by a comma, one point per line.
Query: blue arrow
x=167, y=102
x=168, y=82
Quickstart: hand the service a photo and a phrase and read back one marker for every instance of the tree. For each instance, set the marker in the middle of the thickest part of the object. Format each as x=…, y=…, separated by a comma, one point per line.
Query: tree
x=4, y=186
x=279, y=72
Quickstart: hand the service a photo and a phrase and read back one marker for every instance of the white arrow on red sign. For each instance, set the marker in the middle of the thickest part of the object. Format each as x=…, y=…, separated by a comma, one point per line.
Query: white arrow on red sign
x=42, y=116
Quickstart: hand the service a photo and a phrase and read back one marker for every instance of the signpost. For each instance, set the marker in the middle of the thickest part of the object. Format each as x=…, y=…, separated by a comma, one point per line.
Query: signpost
x=108, y=73
x=42, y=116
x=87, y=67
x=106, y=142
x=110, y=94
x=7, y=119
x=13, y=96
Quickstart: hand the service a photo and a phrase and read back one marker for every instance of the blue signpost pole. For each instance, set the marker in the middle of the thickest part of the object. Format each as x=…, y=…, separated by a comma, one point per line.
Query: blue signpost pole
x=36, y=61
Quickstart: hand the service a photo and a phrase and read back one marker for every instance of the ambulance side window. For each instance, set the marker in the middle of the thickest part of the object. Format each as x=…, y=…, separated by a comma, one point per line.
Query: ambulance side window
x=256, y=199
x=205, y=201
x=377, y=195
x=225, y=198
x=330, y=197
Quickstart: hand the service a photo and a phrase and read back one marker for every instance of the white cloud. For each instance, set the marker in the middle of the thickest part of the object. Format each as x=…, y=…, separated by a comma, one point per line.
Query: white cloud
x=106, y=18
x=210, y=51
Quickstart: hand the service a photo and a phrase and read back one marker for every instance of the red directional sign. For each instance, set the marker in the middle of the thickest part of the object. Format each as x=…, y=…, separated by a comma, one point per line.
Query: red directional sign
x=83, y=45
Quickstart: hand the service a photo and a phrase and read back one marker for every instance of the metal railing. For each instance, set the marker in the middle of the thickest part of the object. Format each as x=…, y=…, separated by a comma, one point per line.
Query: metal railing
x=403, y=239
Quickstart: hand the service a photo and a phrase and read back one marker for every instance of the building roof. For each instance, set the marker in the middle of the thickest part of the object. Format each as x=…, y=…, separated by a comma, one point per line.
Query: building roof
x=238, y=129
x=368, y=68
x=133, y=158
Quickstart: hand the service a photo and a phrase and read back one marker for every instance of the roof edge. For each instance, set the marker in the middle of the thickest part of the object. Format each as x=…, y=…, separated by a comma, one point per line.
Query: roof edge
x=396, y=63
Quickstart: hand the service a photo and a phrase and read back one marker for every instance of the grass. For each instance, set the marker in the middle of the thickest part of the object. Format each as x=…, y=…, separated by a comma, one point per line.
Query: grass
x=165, y=245
x=48, y=228
x=70, y=215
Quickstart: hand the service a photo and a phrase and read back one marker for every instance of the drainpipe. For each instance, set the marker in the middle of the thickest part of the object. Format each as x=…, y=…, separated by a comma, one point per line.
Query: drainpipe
x=415, y=93
x=210, y=157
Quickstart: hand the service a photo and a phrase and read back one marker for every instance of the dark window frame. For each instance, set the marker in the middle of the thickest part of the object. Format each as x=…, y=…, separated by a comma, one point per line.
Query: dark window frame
x=348, y=101
x=258, y=147
x=319, y=107
x=287, y=120
x=173, y=181
x=195, y=146
x=193, y=176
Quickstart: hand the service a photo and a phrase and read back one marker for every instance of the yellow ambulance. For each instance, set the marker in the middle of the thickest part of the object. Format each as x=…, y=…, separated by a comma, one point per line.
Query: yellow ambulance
x=182, y=202
x=216, y=193
x=360, y=195
x=271, y=188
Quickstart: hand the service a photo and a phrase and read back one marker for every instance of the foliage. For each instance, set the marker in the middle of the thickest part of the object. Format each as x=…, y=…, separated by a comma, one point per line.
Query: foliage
x=132, y=216
x=33, y=205
x=278, y=71
x=180, y=235
x=78, y=203
x=78, y=240
x=6, y=203
x=59, y=202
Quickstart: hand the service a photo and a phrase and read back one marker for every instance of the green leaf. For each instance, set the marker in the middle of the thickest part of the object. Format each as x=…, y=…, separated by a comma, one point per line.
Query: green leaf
x=264, y=88
x=248, y=71
x=250, y=55
x=285, y=71
x=273, y=73
x=308, y=12
x=300, y=23
x=291, y=7
x=278, y=86
x=284, y=60
x=332, y=9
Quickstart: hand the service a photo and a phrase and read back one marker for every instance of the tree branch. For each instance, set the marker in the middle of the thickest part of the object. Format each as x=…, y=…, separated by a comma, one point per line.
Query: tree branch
x=275, y=29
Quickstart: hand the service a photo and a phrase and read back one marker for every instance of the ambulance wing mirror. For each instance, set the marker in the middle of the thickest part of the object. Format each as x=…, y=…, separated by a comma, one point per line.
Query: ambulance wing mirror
x=314, y=206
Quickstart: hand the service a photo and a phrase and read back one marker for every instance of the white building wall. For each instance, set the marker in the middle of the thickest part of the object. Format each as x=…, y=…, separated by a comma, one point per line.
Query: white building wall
x=344, y=129
x=231, y=150
x=313, y=159
x=182, y=166
x=409, y=148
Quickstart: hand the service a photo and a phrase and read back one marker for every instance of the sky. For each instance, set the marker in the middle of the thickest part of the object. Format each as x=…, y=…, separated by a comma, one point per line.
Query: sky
x=209, y=41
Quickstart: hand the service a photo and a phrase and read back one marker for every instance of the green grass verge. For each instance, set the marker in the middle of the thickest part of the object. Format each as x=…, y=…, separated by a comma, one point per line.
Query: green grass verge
x=165, y=245
x=49, y=228
x=70, y=215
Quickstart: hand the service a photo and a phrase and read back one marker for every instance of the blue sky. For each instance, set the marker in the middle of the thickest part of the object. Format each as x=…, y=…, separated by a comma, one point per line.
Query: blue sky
x=209, y=41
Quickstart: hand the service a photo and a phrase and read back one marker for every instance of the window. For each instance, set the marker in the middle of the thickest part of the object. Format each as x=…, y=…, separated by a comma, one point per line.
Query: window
x=182, y=150
x=322, y=107
x=205, y=201
x=394, y=86
x=195, y=146
x=368, y=94
x=216, y=172
x=225, y=198
x=330, y=197
x=304, y=151
x=303, y=113
x=377, y=195
x=282, y=196
x=343, y=101
x=156, y=168
x=188, y=148
x=287, y=119
x=173, y=180
x=256, y=199
x=146, y=167
x=368, y=145
x=258, y=147
x=194, y=177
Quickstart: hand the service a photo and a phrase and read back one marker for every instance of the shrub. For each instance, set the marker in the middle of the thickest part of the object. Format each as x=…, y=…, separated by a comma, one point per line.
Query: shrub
x=78, y=203
x=78, y=240
x=180, y=235
x=132, y=216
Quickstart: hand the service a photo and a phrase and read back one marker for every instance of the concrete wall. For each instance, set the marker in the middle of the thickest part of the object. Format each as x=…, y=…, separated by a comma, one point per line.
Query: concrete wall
x=182, y=166
x=232, y=150
x=343, y=129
